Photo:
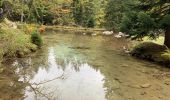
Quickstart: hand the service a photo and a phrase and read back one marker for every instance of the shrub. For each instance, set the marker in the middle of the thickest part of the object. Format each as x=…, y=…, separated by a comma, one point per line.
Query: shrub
x=36, y=39
x=91, y=23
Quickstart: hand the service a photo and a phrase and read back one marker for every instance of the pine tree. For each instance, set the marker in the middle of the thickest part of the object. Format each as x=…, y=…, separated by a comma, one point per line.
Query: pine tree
x=150, y=17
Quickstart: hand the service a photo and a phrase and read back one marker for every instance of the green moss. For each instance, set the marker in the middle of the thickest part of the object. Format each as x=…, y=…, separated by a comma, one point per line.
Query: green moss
x=152, y=52
x=166, y=55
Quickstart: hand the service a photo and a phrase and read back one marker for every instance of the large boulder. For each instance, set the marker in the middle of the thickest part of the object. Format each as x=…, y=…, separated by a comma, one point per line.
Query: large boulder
x=149, y=51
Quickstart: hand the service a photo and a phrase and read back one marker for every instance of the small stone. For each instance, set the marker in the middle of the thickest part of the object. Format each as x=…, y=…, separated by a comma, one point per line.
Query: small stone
x=84, y=33
x=167, y=83
x=124, y=65
x=117, y=79
x=159, y=97
x=143, y=93
x=146, y=85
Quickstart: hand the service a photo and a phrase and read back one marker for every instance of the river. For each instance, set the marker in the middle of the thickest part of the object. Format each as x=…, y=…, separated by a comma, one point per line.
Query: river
x=72, y=66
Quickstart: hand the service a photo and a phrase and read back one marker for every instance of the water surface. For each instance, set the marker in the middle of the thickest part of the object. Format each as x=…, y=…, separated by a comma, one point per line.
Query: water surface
x=81, y=67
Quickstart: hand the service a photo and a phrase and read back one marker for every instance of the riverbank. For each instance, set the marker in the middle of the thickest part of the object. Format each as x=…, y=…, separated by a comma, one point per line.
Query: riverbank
x=14, y=41
x=152, y=50
x=75, y=29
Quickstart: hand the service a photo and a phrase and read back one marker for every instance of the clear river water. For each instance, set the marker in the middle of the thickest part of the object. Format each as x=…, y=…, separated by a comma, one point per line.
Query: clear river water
x=72, y=66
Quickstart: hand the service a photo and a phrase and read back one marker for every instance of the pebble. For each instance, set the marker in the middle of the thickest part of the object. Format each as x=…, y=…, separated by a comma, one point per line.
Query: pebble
x=167, y=83
x=143, y=93
x=145, y=85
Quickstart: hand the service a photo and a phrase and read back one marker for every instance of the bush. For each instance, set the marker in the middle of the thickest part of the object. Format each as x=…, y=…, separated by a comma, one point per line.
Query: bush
x=36, y=39
x=91, y=23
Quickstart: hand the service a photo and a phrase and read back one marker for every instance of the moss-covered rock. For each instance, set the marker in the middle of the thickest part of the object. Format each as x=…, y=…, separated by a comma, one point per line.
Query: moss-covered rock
x=152, y=52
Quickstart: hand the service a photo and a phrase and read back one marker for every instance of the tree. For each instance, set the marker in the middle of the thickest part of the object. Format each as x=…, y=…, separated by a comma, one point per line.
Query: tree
x=77, y=11
x=6, y=7
x=114, y=12
x=150, y=18
x=83, y=12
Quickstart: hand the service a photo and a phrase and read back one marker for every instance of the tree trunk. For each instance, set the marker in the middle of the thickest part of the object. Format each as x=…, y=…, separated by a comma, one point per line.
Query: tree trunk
x=22, y=12
x=167, y=37
x=22, y=17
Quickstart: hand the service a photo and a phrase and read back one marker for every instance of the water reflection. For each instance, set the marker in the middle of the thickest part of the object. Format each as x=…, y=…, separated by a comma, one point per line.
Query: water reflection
x=80, y=80
x=54, y=75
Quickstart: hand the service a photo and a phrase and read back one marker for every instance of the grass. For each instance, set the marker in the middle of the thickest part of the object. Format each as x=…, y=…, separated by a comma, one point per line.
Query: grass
x=159, y=40
x=14, y=42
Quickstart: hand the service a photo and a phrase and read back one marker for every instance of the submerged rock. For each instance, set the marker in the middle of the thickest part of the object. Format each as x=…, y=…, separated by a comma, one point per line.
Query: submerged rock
x=145, y=85
x=84, y=33
x=126, y=50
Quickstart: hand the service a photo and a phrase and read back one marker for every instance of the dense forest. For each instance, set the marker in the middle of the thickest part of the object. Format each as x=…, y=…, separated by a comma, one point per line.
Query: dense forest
x=53, y=12
x=134, y=17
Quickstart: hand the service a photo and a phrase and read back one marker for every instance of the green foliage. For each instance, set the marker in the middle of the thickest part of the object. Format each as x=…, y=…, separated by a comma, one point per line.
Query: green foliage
x=84, y=12
x=62, y=12
x=114, y=12
x=149, y=18
x=137, y=24
x=128, y=22
x=138, y=18
x=36, y=39
x=91, y=23
x=77, y=12
x=165, y=22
